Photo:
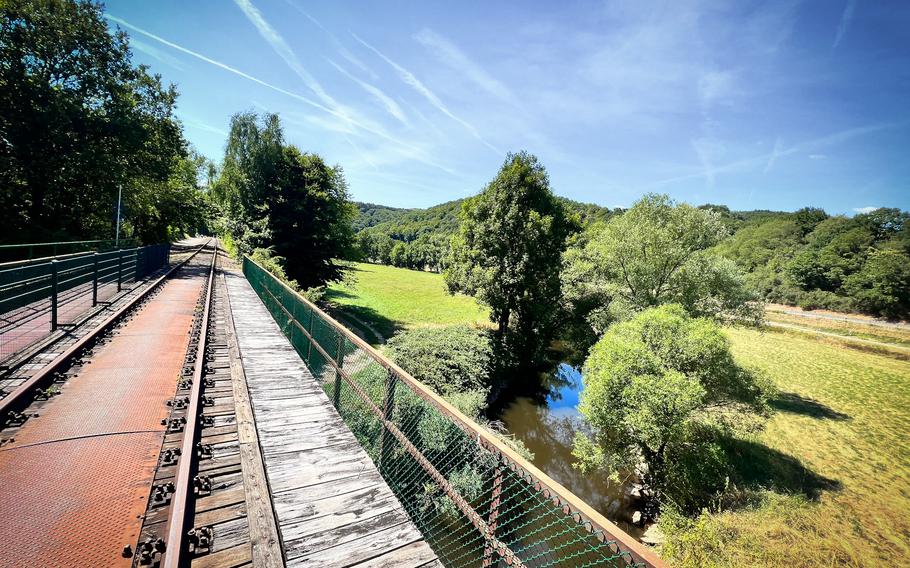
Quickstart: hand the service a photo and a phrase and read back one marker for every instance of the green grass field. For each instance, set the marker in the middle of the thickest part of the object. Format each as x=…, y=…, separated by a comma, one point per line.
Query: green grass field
x=388, y=299
x=834, y=458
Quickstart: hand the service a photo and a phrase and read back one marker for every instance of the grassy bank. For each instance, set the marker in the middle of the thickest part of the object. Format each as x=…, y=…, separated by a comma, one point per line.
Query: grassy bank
x=388, y=299
x=831, y=472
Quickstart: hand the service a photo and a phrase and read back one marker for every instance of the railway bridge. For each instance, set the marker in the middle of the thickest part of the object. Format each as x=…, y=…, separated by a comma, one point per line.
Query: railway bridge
x=165, y=406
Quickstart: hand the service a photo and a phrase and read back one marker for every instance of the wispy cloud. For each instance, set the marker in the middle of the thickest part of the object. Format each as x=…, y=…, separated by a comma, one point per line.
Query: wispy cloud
x=772, y=158
x=386, y=101
x=415, y=152
x=818, y=156
x=342, y=50
x=216, y=63
x=281, y=47
x=868, y=209
x=802, y=147
x=418, y=86
x=199, y=125
x=453, y=57
x=845, y=19
x=157, y=54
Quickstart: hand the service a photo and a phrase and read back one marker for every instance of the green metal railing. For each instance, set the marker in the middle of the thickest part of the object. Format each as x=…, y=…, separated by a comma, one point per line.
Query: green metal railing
x=30, y=251
x=476, y=501
x=25, y=284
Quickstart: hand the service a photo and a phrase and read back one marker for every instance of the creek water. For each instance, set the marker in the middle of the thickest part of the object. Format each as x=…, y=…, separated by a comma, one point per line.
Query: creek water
x=547, y=422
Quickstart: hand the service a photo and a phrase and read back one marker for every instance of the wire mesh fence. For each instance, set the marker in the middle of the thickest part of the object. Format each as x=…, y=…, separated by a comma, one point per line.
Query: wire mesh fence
x=476, y=502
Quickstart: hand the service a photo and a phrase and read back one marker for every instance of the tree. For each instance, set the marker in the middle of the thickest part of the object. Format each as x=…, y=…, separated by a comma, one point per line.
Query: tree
x=450, y=360
x=507, y=254
x=278, y=198
x=77, y=121
x=655, y=387
x=655, y=253
x=882, y=287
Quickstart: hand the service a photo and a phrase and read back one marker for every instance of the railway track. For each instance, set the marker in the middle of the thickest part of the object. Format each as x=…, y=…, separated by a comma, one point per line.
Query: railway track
x=195, y=509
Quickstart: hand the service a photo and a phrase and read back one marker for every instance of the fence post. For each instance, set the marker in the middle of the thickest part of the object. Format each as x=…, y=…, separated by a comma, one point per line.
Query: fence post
x=94, y=279
x=488, y=553
x=387, y=406
x=309, y=351
x=120, y=270
x=54, y=284
x=339, y=358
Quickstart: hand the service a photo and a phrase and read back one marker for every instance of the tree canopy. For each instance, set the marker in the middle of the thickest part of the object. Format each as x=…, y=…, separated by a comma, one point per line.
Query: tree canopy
x=275, y=196
x=78, y=120
x=654, y=385
x=655, y=253
x=507, y=254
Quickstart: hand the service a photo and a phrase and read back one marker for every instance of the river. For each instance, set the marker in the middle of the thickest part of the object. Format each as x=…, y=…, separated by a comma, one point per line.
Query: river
x=547, y=424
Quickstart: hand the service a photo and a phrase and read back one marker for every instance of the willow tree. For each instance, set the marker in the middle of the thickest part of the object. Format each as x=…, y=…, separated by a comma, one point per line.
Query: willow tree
x=507, y=254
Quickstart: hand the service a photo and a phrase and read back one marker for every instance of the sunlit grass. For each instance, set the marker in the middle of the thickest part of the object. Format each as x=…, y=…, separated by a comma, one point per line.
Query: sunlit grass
x=851, y=427
x=842, y=423
x=850, y=329
x=389, y=299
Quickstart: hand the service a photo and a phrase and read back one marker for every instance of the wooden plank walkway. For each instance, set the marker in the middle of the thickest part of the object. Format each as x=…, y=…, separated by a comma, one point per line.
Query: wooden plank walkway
x=333, y=507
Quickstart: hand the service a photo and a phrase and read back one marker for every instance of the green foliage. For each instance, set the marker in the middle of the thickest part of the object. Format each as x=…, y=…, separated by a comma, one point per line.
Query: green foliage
x=273, y=195
x=423, y=236
x=77, y=121
x=883, y=286
x=450, y=360
x=507, y=254
x=815, y=261
x=656, y=389
x=655, y=253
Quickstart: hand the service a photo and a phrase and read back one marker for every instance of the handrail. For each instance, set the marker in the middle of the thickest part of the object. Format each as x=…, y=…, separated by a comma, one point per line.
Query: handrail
x=560, y=496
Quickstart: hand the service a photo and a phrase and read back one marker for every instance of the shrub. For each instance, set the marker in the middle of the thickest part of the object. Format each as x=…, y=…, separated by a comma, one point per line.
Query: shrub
x=452, y=359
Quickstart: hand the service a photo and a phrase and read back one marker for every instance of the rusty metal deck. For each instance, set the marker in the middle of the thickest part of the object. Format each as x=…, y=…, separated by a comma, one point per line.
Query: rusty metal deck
x=74, y=481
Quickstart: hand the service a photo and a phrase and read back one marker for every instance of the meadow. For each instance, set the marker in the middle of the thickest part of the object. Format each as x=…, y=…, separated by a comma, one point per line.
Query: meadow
x=380, y=300
x=828, y=480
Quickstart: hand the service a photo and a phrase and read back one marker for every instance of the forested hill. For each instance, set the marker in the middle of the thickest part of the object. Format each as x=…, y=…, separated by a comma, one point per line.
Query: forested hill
x=806, y=257
x=408, y=224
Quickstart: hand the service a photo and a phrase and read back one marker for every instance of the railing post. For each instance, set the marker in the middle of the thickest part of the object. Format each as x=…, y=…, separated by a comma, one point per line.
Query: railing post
x=339, y=359
x=387, y=406
x=94, y=279
x=54, y=285
x=120, y=270
x=309, y=351
x=495, y=497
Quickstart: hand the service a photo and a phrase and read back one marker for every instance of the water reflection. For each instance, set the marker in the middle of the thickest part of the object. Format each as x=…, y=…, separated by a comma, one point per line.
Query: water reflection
x=547, y=425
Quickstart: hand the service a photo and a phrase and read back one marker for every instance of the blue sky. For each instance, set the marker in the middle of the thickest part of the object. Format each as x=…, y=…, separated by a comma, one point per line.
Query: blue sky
x=757, y=105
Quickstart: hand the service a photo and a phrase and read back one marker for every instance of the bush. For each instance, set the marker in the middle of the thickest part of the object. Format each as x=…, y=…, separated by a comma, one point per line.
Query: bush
x=658, y=388
x=450, y=360
x=823, y=300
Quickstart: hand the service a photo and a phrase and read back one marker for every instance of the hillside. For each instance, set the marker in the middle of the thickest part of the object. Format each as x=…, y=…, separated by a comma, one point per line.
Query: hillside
x=806, y=258
x=419, y=238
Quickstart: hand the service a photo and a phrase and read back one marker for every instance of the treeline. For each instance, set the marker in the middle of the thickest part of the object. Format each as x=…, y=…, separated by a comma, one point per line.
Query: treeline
x=78, y=122
x=813, y=260
x=806, y=258
x=419, y=239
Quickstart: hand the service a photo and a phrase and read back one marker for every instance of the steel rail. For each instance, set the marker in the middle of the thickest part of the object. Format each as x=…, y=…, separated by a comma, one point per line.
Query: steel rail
x=536, y=478
x=183, y=481
x=19, y=398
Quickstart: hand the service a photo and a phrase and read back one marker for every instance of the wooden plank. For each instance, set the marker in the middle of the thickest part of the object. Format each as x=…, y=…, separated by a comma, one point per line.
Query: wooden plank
x=361, y=549
x=265, y=543
x=332, y=506
x=413, y=555
x=230, y=558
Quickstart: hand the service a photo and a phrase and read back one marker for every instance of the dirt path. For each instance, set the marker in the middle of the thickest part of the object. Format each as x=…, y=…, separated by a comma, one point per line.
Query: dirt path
x=835, y=316
x=846, y=338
